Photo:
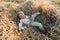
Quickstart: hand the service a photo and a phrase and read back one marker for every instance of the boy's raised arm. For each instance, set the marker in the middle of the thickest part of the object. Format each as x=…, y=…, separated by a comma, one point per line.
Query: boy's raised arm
x=34, y=15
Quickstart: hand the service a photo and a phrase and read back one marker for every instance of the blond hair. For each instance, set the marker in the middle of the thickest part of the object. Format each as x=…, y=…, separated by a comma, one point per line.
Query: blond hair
x=21, y=13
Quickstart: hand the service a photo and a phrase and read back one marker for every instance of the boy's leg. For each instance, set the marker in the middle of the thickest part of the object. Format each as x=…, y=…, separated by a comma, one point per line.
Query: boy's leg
x=38, y=25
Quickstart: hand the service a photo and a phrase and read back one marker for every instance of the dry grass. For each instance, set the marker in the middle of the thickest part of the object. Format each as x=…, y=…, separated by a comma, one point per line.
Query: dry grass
x=7, y=25
x=9, y=20
x=56, y=2
x=18, y=1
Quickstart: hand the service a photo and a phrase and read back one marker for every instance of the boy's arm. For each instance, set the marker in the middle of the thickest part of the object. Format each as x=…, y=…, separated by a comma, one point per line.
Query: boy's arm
x=20, y=25
x=34, y=15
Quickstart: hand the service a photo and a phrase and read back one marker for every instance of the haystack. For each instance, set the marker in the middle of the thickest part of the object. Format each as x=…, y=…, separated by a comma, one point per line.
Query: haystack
x=9, y=20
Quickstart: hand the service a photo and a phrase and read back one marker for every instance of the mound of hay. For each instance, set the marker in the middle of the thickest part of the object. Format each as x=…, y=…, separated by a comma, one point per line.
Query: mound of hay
x=48, y=15
x=8, y=26
x=9, y=21
x=48, y=11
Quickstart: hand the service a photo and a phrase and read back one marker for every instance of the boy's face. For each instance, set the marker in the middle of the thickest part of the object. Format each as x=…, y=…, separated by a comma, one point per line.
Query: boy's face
x=22, y=16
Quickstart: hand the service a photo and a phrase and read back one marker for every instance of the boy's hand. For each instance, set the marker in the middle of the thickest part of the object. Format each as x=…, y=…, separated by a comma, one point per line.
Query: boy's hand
x=25, y=27
x=21, y=32
x=38, y=13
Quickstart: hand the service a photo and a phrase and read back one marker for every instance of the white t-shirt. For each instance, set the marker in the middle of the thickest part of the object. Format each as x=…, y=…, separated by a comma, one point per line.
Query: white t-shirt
x=25, y=21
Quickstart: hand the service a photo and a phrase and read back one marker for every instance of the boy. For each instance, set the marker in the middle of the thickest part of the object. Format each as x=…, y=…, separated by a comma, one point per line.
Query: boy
x=29, y=21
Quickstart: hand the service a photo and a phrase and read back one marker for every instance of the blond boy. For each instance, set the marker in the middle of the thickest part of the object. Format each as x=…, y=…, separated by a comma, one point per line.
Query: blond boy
x=24, y=19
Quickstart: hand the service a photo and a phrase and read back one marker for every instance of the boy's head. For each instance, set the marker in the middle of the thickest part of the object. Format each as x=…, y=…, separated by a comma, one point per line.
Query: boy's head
x=21, y=14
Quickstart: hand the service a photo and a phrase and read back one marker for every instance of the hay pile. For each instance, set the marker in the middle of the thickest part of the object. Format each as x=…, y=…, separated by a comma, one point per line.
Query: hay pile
x=9, y=21
x=8, y=26
x=48, y=17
